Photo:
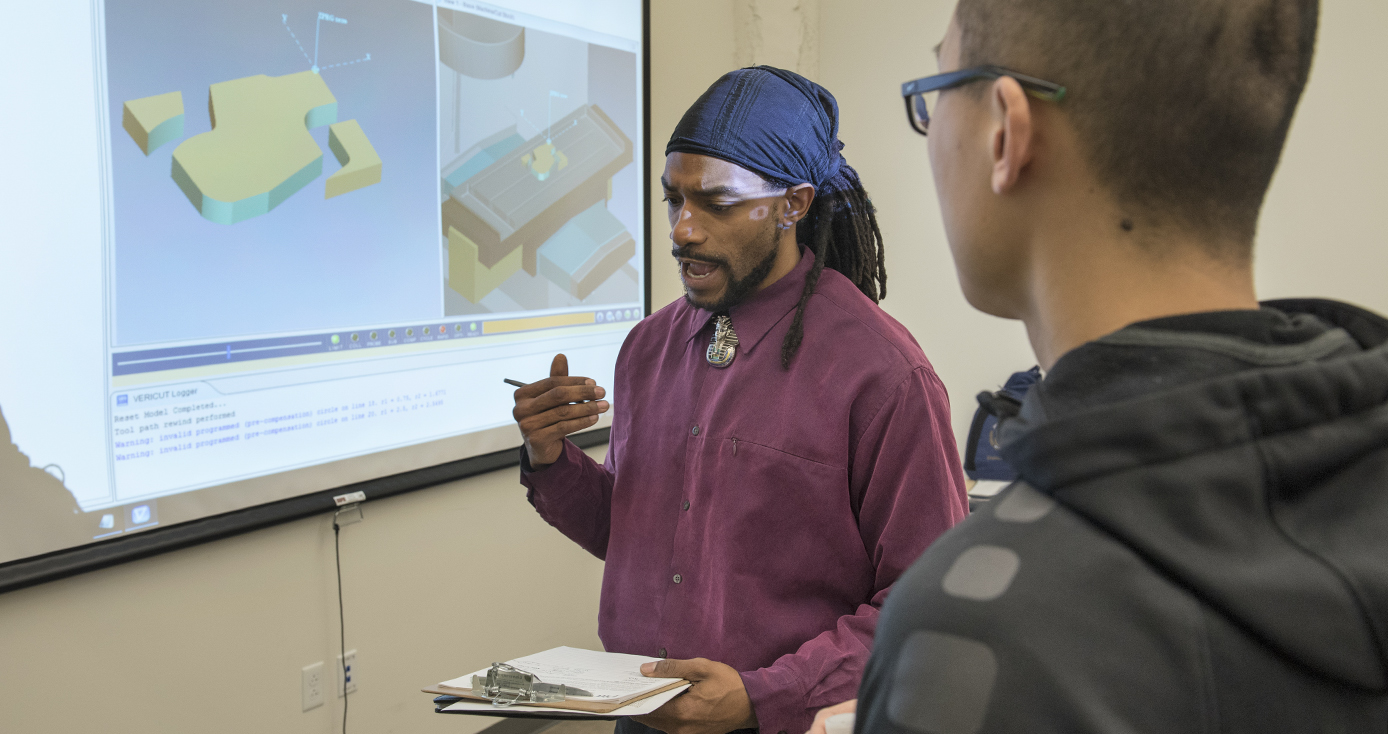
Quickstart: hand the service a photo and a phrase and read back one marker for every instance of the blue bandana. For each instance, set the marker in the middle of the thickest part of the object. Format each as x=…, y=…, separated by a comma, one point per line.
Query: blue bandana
x=771, y=121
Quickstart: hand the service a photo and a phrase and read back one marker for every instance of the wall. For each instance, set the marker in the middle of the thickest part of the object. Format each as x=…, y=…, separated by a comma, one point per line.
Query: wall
x=212, y=638
x=1325, y=226
x=1324, y=230
x=783, y=33
x=140, y=647
x=692, y=44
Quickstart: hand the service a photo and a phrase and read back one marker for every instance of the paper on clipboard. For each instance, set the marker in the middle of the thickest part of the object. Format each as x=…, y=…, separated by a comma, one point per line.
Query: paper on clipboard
x=609, y=676
x=635, y=708
x=614, y=681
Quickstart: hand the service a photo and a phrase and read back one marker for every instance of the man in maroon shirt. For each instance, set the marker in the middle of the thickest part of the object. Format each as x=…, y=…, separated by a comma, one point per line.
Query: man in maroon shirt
x=782, y=449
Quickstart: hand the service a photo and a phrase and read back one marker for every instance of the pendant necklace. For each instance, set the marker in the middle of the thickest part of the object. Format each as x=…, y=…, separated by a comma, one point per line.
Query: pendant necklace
x=723, y=348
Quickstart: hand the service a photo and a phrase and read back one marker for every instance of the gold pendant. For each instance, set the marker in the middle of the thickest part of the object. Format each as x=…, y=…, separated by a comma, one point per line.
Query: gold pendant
x=723, y=348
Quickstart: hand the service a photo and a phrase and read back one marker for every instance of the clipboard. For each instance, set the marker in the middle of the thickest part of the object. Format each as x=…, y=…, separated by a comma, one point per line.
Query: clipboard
x=441, y=704
x=589, y=707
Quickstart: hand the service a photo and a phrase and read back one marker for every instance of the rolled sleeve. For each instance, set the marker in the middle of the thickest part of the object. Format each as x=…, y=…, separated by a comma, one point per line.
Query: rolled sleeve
x=824, y=671
x=778, y=700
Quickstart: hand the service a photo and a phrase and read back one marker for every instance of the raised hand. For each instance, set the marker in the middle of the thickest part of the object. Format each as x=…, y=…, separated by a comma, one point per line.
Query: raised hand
x=551, y=409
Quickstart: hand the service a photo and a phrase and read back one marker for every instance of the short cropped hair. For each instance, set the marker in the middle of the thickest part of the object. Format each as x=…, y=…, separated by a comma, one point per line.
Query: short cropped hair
x=1182, y=106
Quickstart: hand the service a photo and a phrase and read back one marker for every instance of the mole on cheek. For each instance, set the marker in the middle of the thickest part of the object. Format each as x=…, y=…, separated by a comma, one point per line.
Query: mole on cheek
x=759, y=213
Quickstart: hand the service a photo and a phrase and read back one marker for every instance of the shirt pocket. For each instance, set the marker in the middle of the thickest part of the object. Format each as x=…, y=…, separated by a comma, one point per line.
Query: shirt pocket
x=778, y=515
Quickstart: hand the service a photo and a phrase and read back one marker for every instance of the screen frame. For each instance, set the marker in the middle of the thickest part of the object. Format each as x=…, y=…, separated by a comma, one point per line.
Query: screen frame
x=80, y=559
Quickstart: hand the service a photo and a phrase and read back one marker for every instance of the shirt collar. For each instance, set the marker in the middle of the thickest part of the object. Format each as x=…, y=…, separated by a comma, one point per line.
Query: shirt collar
x=754, y=317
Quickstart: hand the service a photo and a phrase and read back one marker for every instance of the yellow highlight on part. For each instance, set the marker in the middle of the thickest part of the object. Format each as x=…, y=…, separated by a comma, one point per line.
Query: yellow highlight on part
x=538, y=322
x=544, y=160
x=361, y=166
x=470, y=278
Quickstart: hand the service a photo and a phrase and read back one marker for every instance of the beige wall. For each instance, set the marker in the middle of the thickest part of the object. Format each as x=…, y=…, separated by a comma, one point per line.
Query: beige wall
x=691, y=46
x=135, y=648
x=1324, y=230
x=212, y=638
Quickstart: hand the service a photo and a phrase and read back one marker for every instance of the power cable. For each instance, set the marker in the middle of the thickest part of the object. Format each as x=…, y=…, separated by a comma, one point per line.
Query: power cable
x=341, y=617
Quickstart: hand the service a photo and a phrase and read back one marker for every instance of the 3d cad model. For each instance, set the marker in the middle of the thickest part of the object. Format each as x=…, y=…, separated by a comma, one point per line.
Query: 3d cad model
x=586, y=251
x=507, y=206
x=153, y=121
x=361, y=167
x=479, y=156
x=259, y=151
x=470, y=278
x=544, y=160
x=479, y=47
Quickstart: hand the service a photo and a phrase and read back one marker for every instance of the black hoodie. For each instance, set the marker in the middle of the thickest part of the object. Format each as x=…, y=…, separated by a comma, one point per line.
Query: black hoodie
x=1198, y=543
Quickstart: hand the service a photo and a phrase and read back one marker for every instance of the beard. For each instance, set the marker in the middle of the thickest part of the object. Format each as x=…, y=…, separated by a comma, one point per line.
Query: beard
x=738, y=289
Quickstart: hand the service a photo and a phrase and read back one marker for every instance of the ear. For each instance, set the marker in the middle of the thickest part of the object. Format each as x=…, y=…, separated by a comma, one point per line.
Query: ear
x=798, y=200
x=1013, y=134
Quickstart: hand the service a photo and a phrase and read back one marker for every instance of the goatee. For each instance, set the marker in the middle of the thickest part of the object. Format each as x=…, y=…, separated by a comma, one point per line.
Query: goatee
x=738, y=288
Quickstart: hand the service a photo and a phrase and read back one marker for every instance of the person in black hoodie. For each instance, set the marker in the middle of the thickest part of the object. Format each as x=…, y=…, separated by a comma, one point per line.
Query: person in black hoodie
x=1198, y=541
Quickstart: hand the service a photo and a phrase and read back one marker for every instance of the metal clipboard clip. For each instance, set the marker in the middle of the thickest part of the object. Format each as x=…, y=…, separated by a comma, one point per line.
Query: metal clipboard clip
x=506, y=684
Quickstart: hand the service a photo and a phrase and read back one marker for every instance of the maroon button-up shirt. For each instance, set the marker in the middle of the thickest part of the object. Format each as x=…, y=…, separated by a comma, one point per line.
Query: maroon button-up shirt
x=758, y=516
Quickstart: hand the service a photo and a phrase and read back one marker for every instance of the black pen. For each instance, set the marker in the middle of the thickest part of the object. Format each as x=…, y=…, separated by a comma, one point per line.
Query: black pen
x=509, y=381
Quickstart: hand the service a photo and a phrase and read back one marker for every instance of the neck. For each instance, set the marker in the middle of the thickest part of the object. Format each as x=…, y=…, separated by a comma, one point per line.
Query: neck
x=1084, y=285
x=787, y=257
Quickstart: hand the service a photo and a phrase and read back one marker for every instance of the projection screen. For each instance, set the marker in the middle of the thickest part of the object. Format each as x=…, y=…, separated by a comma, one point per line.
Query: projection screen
x=257, y=251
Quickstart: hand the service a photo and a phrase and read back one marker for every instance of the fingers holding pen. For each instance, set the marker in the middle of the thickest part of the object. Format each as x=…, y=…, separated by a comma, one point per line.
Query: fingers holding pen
x=556, y=432
x=533, y=420
x=550, y=409
x=560, y=402
x=540, y=387
x=563, y=399
x=567, y=394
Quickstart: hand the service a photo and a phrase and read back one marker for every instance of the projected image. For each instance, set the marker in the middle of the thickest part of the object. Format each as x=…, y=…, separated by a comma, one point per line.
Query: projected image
x=309, y=240
x=538, y=181
x=272, y=166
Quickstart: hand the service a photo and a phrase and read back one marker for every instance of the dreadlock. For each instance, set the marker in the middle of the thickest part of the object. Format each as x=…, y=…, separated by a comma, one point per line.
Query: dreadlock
x=841, y=230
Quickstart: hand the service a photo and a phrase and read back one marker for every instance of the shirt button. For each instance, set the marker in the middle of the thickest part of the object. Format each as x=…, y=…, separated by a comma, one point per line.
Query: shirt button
x=678, y=578
x=661, y=654
x=695, y=431
x=686, y=504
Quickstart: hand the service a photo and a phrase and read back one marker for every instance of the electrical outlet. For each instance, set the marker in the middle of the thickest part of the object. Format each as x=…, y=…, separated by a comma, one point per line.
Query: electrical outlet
x=348, y=677
x=313, y=685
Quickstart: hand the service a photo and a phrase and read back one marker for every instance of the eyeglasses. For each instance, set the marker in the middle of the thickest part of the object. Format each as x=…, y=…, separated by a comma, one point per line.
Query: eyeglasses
x=922, y=94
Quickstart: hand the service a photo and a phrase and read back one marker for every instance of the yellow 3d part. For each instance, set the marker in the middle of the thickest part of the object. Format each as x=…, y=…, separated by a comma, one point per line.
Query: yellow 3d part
x=259, y=151
x=361, y=167
x=470, y=278
x=544, y=159
x=154, y=121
